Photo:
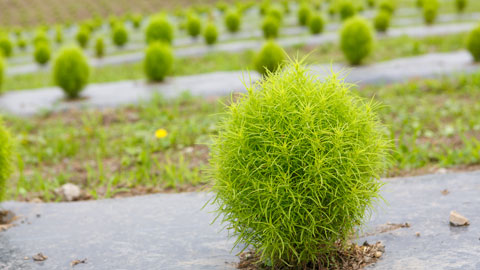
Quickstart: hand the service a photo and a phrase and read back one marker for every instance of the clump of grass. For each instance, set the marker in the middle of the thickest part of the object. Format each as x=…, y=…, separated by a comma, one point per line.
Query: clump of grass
x=158, y=61
x=296, y=164
x=159, y=29
x=356, y=39
x=71, y=71
x=269, y=58
x=6, y=154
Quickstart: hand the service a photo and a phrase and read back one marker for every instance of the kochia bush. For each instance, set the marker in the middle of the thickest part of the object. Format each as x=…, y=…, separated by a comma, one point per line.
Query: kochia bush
x=303, y=14
x=210, y=33
x=2, y=71
x=42, y=53
x=430, y=11
x=232, y=21
x=119, y=35
x=387, y=5
x=6, y=157
x=270, y=58
x=6, y=46
x=356, y=39
x=99, y=47
x=460, y=5
x=158, y=61
x=296, y=164
x=194, y=25
x=316, y=24
x=473, y=43
x=382, y=21
x=159, y=29
x=270, y=26
x=83, y=36
x=346, y=9
x=71, y=71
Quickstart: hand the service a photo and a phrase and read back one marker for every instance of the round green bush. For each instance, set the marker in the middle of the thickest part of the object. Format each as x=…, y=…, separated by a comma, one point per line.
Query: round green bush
x=270, y=26
x=22, y=43
x=137, y=21
x=296, y=164
x=6, y=158
x=232, y=21
x=430, y=11
x=473, y=43
x=40, y=37
x=276, y=12
x=6, y=46
x=356, y=39
x=158, y=61
x=460, y=5
x=419, y=3
x=194, y=25
x=316, y=24
x=222, y=6
x=371, y=3
x=346, y=9
x=71, y=71
x=382, y=21
x=269, y=58
x=82, y=37
x=99, y=47
x=303, y=14
x=387, y=5
x=210, y=34
x=58, y=34
x=42, y=53
x=159, y=29
x=2, y=70
x=119, y=35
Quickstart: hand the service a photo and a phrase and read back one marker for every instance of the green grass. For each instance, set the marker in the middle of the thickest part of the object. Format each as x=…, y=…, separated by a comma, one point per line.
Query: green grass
x=385, y=49
x=113, y=152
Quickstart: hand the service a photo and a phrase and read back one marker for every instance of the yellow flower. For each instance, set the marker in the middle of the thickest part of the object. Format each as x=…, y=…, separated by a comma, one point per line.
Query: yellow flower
x=161, y=133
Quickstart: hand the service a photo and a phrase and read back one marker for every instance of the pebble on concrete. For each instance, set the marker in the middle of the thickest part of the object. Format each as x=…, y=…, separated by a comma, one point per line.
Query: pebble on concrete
x=458, y=220
x=69, y=191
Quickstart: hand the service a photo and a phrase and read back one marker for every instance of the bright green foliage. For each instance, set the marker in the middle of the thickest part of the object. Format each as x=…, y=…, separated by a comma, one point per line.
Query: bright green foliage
x=316, y=24
x=270, y=58
x=430, y=11
x=356, y=39
x=286, y=6
x=119, y=35
x=371, y=3
x=99, y=47
x=232, y=21
x=158, y=61
x=6, y=46
x=58, y=34
x=137, y=21
x=6, y=157
x=303, y=14
x=387, y=5
x=382, y=21
x=71, y=71
x=2, y=70
x=460, y=5
x=419, y=3
x=264, y=6
x=270, y=26
x=82, y=37
x=296, y=164
x=42, y=53
x=222, y=6
x=194, y=25
x=210, y=34
x=276, y=12
x=40, y=37
x=346, y=9
x=159, y=29
x=473, y=43
x=22, y=43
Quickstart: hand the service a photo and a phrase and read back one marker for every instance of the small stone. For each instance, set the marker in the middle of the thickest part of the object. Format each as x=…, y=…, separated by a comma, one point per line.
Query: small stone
x=378, y=254
x=69, y=192
x=367, y=259
x=417, y=234
x=381, y=248
x=39, y=257
x=36, y=200
x=442, y=171
x=445, y=192
x=458, y=220
x=26, y=258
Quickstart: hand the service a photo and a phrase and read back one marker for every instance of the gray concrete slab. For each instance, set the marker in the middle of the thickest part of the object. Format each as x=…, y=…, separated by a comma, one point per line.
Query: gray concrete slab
x=30, y=102
x=171, y=231
x=295, y=38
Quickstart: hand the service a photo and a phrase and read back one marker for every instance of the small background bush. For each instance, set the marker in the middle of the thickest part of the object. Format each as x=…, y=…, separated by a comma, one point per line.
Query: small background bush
x=346, y=9
x=356, y=40
x=316, y=24
x=119, y=35
x=430, y=11
x=473, y=43
x=232, y=21
x=296, y=164
x=71, y=71
x=303, y=14
x=382, y=21
x=387, y=5
x=159, y=29
x=6, y=46
x=99, y=47
x=82, y=37
x=210, y=33
x=270, y=26
x=6, y=155
x=2, y=71
x=269, y=58
x=158, y=61
x=460, y=5
x=194, y=25
x=42, y=53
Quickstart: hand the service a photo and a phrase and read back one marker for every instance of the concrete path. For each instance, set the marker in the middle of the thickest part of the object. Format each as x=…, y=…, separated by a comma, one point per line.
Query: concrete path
x=172, y=232
x=30, y=102
x=239, y=46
